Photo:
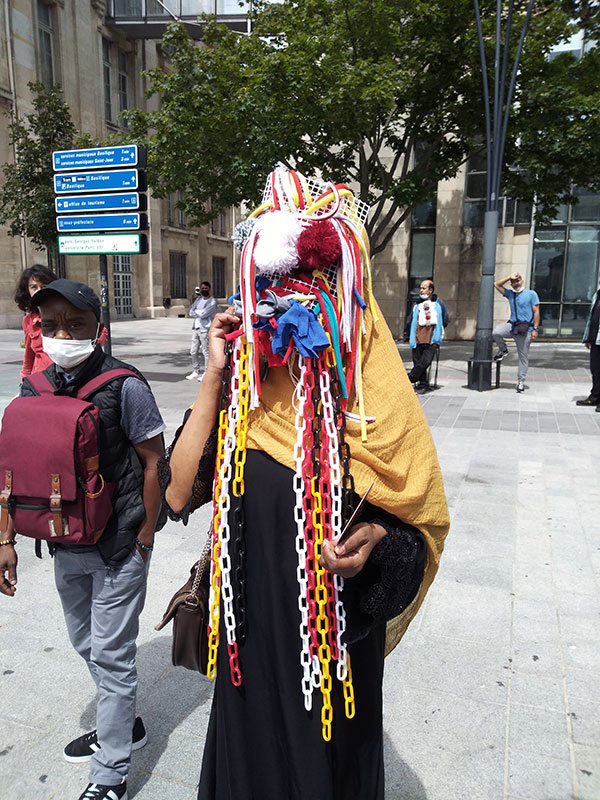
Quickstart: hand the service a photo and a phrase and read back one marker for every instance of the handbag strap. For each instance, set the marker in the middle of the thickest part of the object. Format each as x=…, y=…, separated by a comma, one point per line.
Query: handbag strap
x=516, y=312
x=201, y=566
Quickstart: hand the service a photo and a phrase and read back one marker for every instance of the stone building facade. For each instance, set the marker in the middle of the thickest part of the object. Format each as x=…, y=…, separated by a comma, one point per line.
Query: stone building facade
x=100, y=70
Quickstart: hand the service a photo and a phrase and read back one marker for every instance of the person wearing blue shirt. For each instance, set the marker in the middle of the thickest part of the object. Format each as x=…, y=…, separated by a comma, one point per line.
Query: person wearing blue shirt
x=523, y=323
x=426, y=334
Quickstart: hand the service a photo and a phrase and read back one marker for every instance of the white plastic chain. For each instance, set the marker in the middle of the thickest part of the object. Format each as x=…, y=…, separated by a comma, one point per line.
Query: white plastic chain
x=300, y=519
x=335, y=482
x=224, y=501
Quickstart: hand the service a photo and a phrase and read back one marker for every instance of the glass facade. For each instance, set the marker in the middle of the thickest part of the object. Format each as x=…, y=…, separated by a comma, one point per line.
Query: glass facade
x=566, y=257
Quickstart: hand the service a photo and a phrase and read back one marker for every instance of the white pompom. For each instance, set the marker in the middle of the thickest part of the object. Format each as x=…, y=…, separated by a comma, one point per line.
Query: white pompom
x=276, y=249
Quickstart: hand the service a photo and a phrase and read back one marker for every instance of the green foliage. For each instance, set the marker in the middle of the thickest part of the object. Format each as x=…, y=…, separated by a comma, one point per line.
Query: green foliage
x=557, y=119
x=383, y=93
x=27, y=194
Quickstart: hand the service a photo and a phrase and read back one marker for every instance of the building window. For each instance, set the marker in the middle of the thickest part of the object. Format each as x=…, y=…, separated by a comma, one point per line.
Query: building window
x=46, y=44
x=178, y=278
x=218, y=279
x=566, y=266
x=123, y=85
x=180, y=212
x=169, y=209
x=217, y=225
x=122, y=285
x=475, y=191
x=422, y=248
x=517, y=212
x=107, y=77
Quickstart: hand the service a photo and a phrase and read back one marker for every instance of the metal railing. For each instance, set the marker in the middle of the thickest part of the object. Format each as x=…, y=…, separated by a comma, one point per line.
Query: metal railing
x=164, y=10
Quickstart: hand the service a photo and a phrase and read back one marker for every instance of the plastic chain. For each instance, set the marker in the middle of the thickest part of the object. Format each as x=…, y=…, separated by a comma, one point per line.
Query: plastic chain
x=301, y=548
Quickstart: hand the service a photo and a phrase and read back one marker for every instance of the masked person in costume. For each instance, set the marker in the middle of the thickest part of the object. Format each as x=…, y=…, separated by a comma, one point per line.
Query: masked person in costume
x=305, y=405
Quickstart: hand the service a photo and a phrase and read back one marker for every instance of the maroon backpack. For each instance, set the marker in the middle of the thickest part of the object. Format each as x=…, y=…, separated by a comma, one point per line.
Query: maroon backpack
x=50, y=464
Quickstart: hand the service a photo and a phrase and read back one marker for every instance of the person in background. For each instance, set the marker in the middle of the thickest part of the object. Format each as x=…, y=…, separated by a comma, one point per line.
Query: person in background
x=202, y=310
x=591, y=339
x=32, y=279
x=426, y=334
x=524, y=312
x=414, y=297
x=102, y=587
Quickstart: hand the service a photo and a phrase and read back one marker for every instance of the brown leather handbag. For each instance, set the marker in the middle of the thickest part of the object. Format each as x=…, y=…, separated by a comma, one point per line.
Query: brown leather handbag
x=188, y=608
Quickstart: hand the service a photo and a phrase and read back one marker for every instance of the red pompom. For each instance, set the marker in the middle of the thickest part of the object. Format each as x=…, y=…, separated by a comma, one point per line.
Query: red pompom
x=319, y=246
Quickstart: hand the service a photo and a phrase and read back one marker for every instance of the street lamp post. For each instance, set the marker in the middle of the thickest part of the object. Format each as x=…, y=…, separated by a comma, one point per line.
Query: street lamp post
x=497, y=109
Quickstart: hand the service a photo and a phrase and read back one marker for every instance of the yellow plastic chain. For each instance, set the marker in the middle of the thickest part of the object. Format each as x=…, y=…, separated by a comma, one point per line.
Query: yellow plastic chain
x=322, y=618
x=213, y=638
x=349, y=690
x=242, y=421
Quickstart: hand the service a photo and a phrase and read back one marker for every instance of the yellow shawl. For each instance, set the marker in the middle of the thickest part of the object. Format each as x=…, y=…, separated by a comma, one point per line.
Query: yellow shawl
x=399, y=454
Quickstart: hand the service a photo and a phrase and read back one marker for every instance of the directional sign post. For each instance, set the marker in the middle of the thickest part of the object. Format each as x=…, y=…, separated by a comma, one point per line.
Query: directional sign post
x=86, y=203
x=89, y=184
x=99, y=158
x=101, y=222
x=116, y=180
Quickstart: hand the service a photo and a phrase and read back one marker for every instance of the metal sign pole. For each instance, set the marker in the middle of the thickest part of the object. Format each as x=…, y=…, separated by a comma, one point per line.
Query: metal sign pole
x=104, y=300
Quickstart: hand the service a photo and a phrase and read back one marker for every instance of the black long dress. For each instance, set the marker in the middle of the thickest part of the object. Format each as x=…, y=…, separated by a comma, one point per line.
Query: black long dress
x=261, y=743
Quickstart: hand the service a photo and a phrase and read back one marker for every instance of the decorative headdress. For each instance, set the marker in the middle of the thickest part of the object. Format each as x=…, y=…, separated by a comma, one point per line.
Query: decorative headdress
x=305, y=281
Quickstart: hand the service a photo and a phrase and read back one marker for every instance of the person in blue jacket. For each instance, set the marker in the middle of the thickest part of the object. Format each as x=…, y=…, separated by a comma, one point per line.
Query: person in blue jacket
x=426, y=334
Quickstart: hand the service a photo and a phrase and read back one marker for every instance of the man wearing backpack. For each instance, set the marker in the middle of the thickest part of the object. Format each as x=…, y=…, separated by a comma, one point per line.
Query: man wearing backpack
x=102, y=585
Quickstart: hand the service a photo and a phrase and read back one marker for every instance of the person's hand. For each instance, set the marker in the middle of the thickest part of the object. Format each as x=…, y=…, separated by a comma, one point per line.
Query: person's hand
x=349, y=558
x=534, y=334
x=222, y=325
x=8, y=570
x=515, y=277
x=587, y=344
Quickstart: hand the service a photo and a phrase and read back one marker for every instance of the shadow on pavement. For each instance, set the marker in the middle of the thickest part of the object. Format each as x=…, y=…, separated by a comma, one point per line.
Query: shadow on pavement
x=401, y=781
x=172, y=696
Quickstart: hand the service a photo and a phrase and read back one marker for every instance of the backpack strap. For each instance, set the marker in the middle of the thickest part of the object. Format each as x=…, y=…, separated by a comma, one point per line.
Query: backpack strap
x=101, y=380
x=41, y=383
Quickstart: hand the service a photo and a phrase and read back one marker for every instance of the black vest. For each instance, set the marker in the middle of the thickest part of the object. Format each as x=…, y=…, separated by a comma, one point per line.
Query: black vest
x=119, y=463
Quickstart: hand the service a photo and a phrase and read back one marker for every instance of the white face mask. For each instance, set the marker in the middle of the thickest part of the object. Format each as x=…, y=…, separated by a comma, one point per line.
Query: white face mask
x=518, y=289
x=69, y=353
x=423, y=296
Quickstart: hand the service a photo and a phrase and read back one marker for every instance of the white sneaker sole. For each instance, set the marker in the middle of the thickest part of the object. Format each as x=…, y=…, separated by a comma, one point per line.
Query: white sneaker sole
x=82, y=759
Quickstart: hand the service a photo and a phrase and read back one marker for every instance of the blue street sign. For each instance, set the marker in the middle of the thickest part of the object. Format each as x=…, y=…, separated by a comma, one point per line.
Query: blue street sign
x=100, y=222
x=112, y=180
x=99, y=158
x=128, y=201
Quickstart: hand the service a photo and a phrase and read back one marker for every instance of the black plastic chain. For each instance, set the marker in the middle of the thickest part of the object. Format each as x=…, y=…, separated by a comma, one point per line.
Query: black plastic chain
x=239, y=548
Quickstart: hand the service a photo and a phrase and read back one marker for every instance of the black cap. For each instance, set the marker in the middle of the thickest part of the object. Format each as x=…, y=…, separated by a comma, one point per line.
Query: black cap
x=80, y=295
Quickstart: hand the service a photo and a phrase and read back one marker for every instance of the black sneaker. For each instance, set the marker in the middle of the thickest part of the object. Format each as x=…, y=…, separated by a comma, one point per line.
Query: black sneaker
x=520, y=387
x=96, y=791
x=500, y=355
x=84, y=747
x=589, y=401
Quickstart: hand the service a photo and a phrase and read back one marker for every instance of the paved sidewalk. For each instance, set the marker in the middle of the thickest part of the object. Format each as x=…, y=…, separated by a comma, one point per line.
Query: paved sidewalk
x=494, y=694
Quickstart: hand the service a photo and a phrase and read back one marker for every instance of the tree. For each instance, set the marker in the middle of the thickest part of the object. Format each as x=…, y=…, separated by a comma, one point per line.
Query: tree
x=557, y=120
x=384, y=93
x=27, y=193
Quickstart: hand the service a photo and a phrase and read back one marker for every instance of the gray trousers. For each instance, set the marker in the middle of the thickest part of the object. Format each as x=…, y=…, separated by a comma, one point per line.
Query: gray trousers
x=199, y=343
x=522, y=341
x=102, y=609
